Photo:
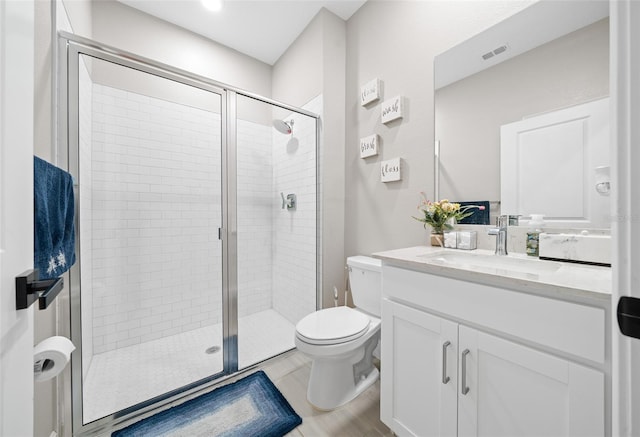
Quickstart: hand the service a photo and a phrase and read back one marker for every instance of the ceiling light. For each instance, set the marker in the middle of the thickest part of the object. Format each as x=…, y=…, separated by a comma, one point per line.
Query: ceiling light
x=212, y=5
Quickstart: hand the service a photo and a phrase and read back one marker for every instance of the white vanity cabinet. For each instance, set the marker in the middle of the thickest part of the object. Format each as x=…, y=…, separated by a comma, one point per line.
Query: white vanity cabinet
x=466, y=359
x=507, y=389
x=419, y=372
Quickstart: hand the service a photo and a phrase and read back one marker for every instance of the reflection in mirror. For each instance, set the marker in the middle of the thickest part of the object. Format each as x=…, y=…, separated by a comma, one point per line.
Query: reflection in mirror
x=551, y=56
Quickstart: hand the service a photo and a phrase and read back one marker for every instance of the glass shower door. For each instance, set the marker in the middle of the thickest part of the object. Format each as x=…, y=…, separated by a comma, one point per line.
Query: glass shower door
x=149, y=190
x=276, y=226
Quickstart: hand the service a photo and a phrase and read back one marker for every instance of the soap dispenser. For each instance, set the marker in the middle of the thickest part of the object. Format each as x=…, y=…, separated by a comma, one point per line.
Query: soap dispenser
x=533, y=234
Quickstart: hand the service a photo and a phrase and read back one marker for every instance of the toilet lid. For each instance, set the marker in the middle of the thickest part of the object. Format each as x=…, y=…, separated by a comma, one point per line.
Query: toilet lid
x=332, y=325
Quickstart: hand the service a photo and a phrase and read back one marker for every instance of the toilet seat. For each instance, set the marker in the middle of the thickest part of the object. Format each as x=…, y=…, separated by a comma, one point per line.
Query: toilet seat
x=332, y=326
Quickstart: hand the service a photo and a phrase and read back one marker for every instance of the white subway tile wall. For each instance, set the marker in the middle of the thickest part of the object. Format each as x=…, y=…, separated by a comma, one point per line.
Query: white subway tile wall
x=85, y=208
x=156, y=211
x=153, y=264
x=294, y=253
x=256, y=198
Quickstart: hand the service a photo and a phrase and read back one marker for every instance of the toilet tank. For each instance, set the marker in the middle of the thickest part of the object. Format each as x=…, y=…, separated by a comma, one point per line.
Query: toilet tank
x=365, y=278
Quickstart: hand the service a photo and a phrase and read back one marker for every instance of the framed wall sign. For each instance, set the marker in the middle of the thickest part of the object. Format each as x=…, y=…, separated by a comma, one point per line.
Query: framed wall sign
x=369, y=146
x=370, y=92
x=390, y=170
x=391, y=109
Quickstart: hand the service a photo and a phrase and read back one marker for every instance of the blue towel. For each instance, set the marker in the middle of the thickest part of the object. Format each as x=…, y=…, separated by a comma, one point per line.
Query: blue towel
x=480, y=216
x=54, y=230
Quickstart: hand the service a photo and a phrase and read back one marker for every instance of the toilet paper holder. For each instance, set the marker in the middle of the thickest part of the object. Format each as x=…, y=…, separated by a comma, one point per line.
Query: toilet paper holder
x=29, y=289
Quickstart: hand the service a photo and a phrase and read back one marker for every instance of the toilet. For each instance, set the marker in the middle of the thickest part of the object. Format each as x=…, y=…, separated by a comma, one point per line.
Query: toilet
x=341, y=340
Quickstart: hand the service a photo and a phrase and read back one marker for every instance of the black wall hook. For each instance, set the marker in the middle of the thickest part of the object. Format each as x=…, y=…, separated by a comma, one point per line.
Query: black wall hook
x=29, y=288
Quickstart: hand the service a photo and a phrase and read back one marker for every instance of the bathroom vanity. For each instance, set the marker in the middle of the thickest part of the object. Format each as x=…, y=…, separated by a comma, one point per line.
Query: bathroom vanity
x=478, y=344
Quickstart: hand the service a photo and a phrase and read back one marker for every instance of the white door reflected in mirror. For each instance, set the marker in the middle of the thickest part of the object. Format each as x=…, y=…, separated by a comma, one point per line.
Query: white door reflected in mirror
x=550, y=162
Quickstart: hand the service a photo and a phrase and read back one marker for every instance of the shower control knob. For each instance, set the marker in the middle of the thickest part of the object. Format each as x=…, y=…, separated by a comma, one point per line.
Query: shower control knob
x=289, y=202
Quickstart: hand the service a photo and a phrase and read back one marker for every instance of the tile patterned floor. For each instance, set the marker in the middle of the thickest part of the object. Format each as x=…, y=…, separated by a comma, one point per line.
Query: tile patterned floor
x=121, y=378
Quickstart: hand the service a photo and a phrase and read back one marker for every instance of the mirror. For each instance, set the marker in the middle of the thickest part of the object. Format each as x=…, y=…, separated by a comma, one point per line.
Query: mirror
x=551, y=56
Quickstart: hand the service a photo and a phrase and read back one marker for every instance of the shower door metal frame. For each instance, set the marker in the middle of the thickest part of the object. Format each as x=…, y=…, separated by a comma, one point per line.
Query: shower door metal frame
x=74, y=50
x=70, y=47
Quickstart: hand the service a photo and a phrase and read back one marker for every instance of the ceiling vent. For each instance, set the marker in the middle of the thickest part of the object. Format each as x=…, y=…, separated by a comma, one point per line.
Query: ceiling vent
x=494, y=52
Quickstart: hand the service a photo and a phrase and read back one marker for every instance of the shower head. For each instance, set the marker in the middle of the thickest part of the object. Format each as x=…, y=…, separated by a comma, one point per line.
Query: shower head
x=283, y=126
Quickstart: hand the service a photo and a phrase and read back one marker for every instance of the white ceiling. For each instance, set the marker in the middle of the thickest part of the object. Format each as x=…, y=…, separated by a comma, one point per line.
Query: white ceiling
x=262, y=29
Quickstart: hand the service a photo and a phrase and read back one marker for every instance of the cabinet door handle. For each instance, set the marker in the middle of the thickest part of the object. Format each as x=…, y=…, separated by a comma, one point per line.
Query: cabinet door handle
x=464, y=389
x=445, y=378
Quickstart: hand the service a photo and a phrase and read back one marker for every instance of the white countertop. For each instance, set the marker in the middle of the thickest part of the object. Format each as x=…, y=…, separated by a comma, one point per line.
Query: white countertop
x=568, y=280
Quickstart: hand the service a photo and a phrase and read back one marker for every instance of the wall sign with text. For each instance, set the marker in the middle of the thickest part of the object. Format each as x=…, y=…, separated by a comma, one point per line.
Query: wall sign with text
x=369, y=146
x=391, y=109
x=370, y=92
x=390, y=170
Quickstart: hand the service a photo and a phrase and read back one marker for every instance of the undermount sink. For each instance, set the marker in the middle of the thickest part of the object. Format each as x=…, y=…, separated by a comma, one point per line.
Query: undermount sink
x=474, y=261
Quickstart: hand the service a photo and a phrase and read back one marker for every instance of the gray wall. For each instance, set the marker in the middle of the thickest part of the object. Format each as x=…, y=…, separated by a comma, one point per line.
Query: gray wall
x=297, y=74
x=129, y=29
x=396, y=42
x=333, y=157
x=79, y=14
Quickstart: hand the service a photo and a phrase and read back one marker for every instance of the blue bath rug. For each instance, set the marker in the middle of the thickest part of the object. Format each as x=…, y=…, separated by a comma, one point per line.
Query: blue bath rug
x=252, y=406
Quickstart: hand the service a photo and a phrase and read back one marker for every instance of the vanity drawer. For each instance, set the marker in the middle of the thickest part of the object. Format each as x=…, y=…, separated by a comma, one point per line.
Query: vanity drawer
x=564, y=326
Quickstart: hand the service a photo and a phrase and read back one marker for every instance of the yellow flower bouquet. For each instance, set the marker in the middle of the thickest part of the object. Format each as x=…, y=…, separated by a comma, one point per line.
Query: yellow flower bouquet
x=442, y=214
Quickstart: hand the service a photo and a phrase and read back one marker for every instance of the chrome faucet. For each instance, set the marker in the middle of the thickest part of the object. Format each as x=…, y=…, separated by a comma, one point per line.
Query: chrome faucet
x=500, y=231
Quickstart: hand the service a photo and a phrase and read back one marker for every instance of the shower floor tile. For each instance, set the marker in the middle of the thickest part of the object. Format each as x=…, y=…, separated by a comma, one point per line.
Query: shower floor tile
x=124, y=377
